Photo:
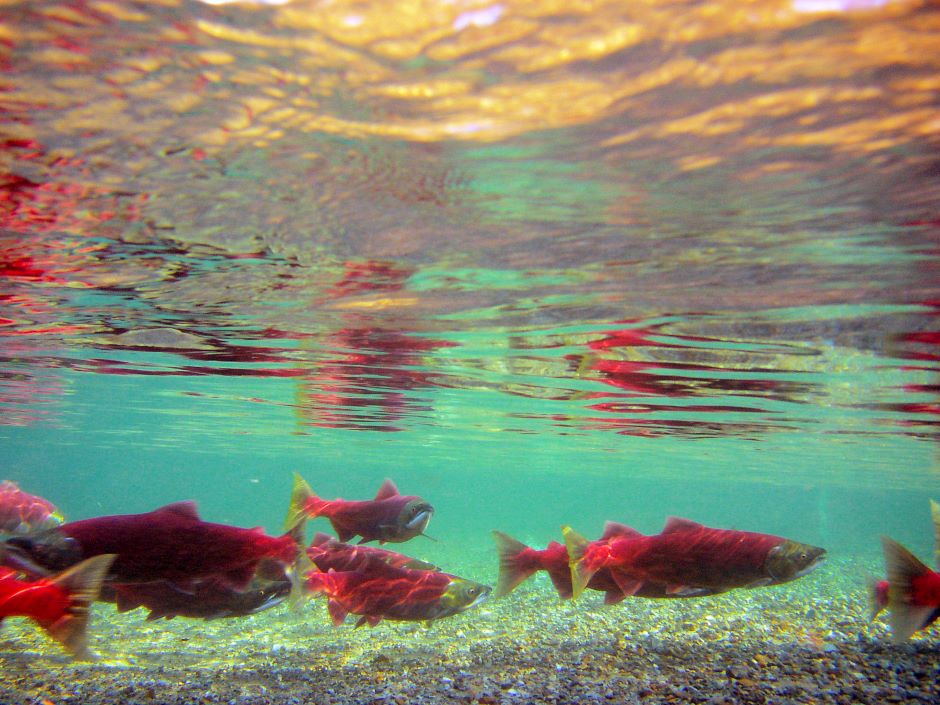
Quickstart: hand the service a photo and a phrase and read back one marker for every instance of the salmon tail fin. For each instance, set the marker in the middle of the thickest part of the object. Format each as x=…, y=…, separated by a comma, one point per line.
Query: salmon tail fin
x=512, y=568
x=580, y=573
x=301, y=562
x=300, y=589
x=877, y=596
x=935, y=515
x=300, y=497
x=82, y=583
x=902, y=567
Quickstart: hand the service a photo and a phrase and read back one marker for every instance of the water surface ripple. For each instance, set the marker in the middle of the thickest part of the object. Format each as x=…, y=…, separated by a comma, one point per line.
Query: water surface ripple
x=594, y=219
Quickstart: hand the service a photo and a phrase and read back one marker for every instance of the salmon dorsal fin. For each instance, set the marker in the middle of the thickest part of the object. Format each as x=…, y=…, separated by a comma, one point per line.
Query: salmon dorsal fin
x=186, y=509
x=387, y=490
x=615, y=528
x=677, y=524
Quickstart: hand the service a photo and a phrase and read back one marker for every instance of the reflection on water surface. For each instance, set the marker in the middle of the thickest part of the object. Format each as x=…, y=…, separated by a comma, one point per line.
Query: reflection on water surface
x=653, y=219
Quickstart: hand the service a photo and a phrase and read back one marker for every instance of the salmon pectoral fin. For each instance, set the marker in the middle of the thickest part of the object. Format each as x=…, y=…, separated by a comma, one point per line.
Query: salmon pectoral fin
x=369, y=619
x=159, y=614
x=82, y=582
x=628, y=585
x=344, y=533
x=337, y=612
x=126, y=602
x=612, y=597
x=512, y=570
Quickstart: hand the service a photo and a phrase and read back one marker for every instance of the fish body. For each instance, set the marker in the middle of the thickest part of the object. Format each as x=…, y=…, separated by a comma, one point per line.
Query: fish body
x=688, y=556
x=389, y=517
x=380, y=591
x=913, y=599
x=517, y=562
x=22, y=513
x=58, y=603
x=209, y=598
x=327, y=553
x=170, y=543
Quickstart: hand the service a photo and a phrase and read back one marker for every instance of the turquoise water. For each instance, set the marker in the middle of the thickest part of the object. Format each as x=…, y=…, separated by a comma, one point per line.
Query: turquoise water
x=712, y=295
x=487, y=458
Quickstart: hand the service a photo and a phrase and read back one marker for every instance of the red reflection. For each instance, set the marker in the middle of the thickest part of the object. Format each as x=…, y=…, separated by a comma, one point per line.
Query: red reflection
x=64, y=201
x=922, y=345
x=640, y=386
x=368, y=381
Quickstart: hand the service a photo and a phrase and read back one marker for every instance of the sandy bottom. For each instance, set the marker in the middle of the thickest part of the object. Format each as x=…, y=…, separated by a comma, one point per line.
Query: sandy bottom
x=807, y=642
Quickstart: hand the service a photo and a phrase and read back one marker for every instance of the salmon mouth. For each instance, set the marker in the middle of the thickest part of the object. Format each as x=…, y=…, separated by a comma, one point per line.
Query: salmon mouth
x=484, y=594
x=485, y=591
x=818, y=561
x=420, y=520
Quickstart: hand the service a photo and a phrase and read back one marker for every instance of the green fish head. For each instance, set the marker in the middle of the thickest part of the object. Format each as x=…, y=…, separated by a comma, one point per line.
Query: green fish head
x=414, y=517
x=791, y=560
x=463, y=594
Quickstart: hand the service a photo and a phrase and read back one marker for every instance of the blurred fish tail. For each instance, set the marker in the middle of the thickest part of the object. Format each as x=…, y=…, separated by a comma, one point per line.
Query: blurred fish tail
x=300, y=497
x=300, y=586
x=580, y=573
x=903, y=567
x=513, y=568
x=82, y=583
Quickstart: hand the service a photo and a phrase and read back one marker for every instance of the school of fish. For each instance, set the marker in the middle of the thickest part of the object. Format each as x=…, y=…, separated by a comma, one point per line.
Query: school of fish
x=174, y=564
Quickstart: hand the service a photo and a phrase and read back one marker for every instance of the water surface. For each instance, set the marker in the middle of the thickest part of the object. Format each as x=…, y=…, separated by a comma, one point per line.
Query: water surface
x=542, y=263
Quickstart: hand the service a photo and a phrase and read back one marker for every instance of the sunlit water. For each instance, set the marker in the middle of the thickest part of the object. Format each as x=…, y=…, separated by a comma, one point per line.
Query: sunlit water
x=541, y=263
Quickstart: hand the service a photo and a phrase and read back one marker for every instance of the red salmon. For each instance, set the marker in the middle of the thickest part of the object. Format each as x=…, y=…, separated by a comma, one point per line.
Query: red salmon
x=517, y=562
x=59, y=603
x=21, y=512
x=391, y=516
x=170, y=543
x=380, y=591
x=688, y=556
x=327, y=553
x=913, y=591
